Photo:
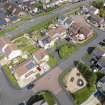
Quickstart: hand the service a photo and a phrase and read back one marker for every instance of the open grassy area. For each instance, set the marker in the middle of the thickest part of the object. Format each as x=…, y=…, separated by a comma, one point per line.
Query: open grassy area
x=2, y=32
x=43, y=25
x=66, y=50
x=25, y=44
x=52, y=61
x=83, y=94
x=10, y=77
x=49, y=98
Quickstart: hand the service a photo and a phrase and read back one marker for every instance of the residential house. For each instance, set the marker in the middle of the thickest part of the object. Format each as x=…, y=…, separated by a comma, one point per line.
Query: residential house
x=79, y=30
x=101, y=85
x=41, y=56
x=98, y=60
x=98, y=52
x=101, y=64
x=44, y=42
x=52, y=3
x=9, y=49
x=14, y=10
x=52, y=35
x=56, y=32
x=29, y=6
x=93, y=10
x=65, y=21
x=25, y=73
x=96, y=20
x=90, y=10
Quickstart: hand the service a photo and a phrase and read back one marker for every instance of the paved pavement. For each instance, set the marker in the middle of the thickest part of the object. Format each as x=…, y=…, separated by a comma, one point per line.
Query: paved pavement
x=92, y=100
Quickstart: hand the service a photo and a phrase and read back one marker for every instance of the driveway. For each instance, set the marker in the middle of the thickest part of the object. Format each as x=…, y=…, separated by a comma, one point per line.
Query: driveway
x=49, y=82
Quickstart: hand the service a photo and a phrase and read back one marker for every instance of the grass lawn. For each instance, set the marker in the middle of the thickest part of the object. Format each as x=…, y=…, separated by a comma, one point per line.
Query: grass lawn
x=49, y=98
x=39, y=26
x=10, y=77
x=52, y=61
x=25, y=44
x=87, y=57
x=66, y=50
x=2, y=32
x=83, y=94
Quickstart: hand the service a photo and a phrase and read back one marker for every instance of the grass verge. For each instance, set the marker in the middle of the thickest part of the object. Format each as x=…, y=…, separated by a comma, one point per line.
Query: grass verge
x=10, y=77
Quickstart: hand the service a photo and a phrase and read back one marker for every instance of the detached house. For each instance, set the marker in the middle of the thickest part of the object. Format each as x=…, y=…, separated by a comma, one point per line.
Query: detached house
x=79, y=30
x=9, y=49
x=27, y=72
x=65, y=21
x=98, y=58
x=12, y=9
x=96, y=20
x=90, y=10
x=101, y=85
x=41, y=56
x=52, y=35
x=56, y=32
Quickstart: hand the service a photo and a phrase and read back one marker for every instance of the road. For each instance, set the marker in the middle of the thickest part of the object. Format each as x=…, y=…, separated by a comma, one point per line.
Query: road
x=9, y=95
x=28, y=24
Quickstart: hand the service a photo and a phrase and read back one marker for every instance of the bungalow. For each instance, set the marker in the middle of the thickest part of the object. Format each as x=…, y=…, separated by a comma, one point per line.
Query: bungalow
x=101, y=85
x=12, y=9
x=9, y=49
x=25, y=73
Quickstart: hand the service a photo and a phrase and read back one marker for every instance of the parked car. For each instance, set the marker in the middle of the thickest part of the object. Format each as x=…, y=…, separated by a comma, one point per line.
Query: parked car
x=30, y=86
x=102, y=43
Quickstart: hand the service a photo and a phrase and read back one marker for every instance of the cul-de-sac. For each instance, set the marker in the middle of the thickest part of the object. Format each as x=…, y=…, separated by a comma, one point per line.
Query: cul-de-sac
x=52, y=52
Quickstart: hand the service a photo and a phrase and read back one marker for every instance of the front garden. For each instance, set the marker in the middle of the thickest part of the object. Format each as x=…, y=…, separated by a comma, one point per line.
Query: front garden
x=48, y=97
x=25, y=44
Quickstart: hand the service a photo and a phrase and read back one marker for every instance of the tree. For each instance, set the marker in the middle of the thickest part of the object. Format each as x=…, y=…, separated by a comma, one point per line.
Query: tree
x=98, y=4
